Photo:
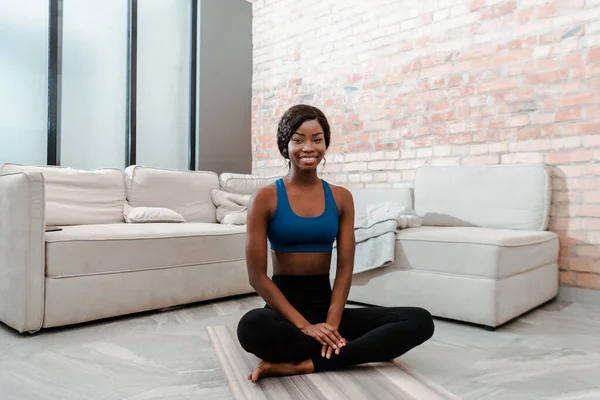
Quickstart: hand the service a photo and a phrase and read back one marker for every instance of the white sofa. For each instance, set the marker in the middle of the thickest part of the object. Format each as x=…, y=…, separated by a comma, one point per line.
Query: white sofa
x=98, y=265
x=483, y=255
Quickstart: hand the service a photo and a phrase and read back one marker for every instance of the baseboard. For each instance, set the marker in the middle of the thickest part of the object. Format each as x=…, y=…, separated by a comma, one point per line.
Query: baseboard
x=579, y=295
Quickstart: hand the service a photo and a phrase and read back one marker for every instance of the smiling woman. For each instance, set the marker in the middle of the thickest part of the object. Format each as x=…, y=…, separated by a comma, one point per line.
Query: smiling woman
x=304, y=326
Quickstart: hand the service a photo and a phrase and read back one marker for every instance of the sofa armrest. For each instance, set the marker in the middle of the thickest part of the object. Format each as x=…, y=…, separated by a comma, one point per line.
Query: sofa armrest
x=22, y=265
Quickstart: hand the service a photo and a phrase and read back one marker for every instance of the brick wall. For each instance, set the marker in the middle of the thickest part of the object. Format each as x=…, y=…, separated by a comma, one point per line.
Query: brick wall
x=445, y=82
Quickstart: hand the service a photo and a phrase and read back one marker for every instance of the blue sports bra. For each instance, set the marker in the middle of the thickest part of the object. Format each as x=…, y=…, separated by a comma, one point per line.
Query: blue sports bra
x=289, y=232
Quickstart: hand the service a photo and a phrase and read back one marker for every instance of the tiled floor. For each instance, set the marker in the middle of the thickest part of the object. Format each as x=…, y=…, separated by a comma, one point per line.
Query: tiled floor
x=550, y=353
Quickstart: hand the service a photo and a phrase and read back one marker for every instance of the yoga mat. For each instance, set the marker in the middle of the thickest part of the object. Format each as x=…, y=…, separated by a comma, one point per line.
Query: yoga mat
x=369, y=381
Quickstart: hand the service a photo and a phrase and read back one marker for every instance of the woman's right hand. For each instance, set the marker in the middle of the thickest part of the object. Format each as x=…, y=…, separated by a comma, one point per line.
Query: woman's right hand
x=325, y=334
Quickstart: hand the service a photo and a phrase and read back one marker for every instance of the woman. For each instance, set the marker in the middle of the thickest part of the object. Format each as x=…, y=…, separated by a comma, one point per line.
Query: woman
x=305, y=326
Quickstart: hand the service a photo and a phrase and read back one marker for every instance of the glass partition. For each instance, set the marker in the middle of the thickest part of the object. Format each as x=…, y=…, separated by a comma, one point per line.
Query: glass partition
x=23, y=81
x=163, y=83
x=94, y=83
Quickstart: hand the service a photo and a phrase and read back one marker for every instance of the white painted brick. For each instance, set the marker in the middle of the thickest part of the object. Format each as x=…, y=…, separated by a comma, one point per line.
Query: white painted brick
x=403, y=184
x=457, y=127
x=591, y=41
x=381, y=165
x=443, y=150
x=376, y=185
x=445, y=3
x=329, y=167
x=441, y=15
x=524, y=4
x=355, y=166
x=459, y=9
x=530, y=145
x=350, y=157
x=341, y=178
x=498, y=147
x=542, y=51
x=481, y=160
x=390, y=19
x=591, y=141
x=378, y=155
x=408, y=175
x=364, y=156
x=565, y=47
x=408, y=154
x=274, y=162
x=479, y=148
x=392, y=29
x=336, y=157
x=460, y=150
x=366, y=177
x=408, y=24
x=380, y=177
x=520, y=158
x=460, y=21
x=408, y=164
x=354, y=177
x=353, y=185
x=392, y=155
x=426, y=152
x=592, y=27
x=394, y=176
x=445, y=161
x=571, y=171
x=566, y=143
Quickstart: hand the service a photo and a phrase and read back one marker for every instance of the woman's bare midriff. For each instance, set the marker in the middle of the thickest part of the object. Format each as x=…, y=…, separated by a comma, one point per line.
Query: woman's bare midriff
x=301, y=263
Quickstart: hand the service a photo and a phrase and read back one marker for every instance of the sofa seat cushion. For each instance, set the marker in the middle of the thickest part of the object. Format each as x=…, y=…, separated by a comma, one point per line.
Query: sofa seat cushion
x=472, y=251
x=100, y=249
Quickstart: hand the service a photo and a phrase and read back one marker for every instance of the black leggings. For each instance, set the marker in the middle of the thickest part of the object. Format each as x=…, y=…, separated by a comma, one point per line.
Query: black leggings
x=373, y=333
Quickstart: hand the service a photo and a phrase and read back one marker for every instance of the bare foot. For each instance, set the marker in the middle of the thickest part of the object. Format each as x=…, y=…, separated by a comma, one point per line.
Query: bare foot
x=264, y=369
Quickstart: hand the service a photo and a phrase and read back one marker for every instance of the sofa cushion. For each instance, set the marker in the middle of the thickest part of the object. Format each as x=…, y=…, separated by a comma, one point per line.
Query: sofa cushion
x=471, y=251
x=244, y=183
x=186, y=192
x=77, y=197
x=232, y=208
x=497, y=196
x=100, y=249
x=142, y=215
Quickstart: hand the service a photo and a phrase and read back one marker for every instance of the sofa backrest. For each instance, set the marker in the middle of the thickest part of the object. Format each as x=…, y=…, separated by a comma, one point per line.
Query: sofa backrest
x=186, y=192
x=364, y=197
x=495, y=196
x=78, y=197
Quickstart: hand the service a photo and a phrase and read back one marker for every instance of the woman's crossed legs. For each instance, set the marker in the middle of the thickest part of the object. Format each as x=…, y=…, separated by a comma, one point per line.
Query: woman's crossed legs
x=373, y=334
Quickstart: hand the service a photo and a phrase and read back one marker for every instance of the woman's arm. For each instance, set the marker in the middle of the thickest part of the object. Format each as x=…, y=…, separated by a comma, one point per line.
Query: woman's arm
x=256, y=257
x=345, y=259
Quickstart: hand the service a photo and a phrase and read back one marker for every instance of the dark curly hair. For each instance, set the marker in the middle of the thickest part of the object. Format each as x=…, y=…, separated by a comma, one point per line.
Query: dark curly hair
x=291, y=121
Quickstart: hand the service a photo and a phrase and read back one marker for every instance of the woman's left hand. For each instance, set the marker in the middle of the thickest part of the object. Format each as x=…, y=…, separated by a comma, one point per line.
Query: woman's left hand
x=328, y=351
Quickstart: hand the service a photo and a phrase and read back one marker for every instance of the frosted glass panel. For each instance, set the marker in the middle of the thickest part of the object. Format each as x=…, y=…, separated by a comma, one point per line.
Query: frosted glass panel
x=23, y=81
x=163, y=83
x=94, y=83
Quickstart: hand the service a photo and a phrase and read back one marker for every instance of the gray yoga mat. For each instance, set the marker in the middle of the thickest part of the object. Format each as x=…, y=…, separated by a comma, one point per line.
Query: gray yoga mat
x=370, y=381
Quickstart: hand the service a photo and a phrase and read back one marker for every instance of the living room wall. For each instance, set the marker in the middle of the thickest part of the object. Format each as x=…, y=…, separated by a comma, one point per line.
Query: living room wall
x=444, y=82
